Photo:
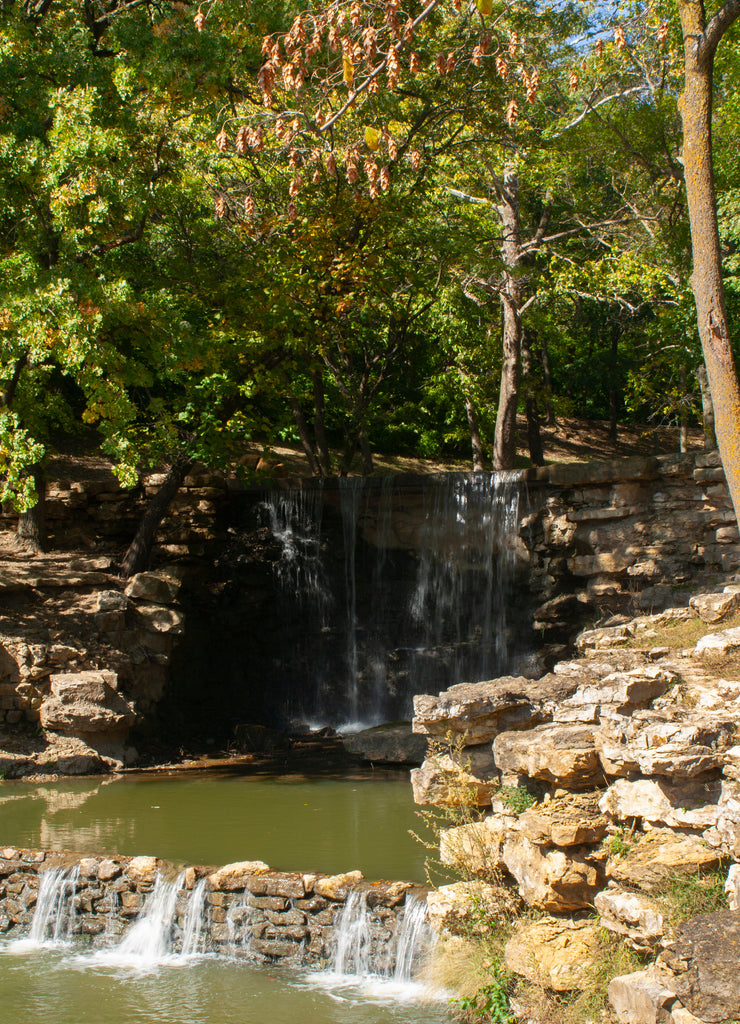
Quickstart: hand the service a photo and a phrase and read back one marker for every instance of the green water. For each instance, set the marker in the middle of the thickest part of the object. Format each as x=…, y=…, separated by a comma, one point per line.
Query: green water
x=65, y=987
x=291, y=822
x=327, y=825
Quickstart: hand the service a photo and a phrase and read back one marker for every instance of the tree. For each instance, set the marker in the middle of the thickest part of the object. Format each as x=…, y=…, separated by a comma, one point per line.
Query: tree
x=701, y=37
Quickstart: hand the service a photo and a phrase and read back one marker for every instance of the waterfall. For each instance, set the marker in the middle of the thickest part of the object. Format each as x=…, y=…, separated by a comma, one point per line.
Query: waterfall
x=413, y=938
x=360, y=953
x=239, y=923
x=54, y=915
x=150, y=937
x=386, y=590
x=194, y=919
x=352, y=937
x=465, y=572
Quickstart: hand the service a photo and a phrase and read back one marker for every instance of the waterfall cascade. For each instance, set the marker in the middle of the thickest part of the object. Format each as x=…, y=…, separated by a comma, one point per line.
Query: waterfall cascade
x=54, y=916
x=384, y=594
x=367, y=941
x=362, y=946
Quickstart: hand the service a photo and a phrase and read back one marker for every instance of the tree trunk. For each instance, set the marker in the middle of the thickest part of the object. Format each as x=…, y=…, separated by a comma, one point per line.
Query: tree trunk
x=700, y=42
x=31, y=531
x=319, y=424
x=476, y=444
x=550, y=418
x=504, y=442
x=707, y=409
x=534, y=437
x=368, y=468
x=300, y=422
x=613, y=385
x=137, y=557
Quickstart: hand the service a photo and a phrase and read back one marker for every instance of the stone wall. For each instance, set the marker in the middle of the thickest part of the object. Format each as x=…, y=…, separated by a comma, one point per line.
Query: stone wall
x=625, y=536
x=247, y=908
x=85, y=657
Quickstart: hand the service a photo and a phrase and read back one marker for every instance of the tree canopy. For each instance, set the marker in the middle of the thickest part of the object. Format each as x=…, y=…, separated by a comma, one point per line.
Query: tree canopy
x=359, y=226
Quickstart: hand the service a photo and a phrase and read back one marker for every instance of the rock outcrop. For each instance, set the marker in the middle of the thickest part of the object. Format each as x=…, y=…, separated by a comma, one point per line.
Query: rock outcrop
x=610, y=798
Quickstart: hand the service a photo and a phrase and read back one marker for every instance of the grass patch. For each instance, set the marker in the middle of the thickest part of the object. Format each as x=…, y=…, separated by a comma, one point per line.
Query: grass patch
x=678, y=634
x=682, y=896
x=516, y=798
x=591, y=1003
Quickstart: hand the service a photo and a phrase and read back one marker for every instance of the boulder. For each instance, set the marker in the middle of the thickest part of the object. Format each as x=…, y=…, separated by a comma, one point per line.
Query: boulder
x=157, y=587
x=336, y=887
x=479, y=711
x=714, y=607
x=554, y=953
x=704, y=960
x=718, y=644
x=86, y=703
x=142, y=870
x=561, y=754
x=572, y=820
x=549, y=879
x=728, y=818
x=467, y=907
x=676, y=742
x=158, y=618
x=394, y=743
x=689, y=804
x=617, y=693
x=632, y=914
x=465, y=778
x=732, y=887
x=476, y=847
x=235, y=877
x=645, y=997
x=658, y=855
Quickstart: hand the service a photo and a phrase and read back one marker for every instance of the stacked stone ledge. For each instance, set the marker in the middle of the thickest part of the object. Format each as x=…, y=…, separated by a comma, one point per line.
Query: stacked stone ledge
x=630, y=757
x=269, y=916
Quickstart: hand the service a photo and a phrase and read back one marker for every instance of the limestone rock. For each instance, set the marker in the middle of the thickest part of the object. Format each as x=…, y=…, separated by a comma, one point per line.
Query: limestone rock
x=728, y=817
x=732, y=887
x=689, y=804
x=86, y=702
x=142, y=870
x=675, y=742
x=617, y=693
x=234, y=877
x=467, y=907
x=444, y=779
x=658, y=855
x=563, y=754
x=572, y=820
x=704, y=959
x=714, y=607
x=554, y=953
x=549, y=879
x=644, y=997
x=394, y=743
x=156, y=587
x=160, y=619
x=479, y=711
x=718, y=644
x=631, y=914
x=476, y=847
x=336, y=887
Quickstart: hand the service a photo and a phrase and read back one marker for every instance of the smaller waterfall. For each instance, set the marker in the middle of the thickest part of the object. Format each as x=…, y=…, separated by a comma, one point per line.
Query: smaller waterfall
x=54, y=916
x=358, y=954
x=413, y=938
x=150, y=937
x=194, y=919
x=239, y=919
x=352, y=949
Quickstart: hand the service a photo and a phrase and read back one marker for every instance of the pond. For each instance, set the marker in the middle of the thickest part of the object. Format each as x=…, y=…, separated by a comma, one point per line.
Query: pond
x=292, y=822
